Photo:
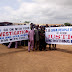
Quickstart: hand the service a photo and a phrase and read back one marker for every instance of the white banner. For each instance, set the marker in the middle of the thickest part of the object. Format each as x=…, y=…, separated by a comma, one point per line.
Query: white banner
x=58, y=35
x=13, y=33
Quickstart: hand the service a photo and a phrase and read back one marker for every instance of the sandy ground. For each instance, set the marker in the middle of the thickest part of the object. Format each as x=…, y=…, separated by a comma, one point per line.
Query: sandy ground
x=20, y=60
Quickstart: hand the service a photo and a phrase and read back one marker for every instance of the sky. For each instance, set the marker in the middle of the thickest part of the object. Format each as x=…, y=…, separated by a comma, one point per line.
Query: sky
x=36, y=11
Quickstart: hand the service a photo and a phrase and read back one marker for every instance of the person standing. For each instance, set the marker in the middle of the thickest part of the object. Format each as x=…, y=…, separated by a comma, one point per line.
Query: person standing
x=42, y=39
x=11, y=44
x=54, y=45
x=36, y=38
x=31, y=39
x=44, y=43
x=48, y=44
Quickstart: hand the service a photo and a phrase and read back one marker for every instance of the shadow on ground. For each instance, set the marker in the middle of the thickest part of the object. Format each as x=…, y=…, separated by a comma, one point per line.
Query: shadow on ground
x=64, y=50
x=58, y=49
x=1, y=54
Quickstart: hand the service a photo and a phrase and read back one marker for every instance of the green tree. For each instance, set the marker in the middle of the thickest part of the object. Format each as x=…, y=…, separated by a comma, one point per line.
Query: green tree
x=27, y=22
x=67, y=24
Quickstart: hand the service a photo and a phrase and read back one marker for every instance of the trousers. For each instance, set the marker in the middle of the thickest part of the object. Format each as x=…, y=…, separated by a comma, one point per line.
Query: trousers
x=11, y=44
x=30, y=45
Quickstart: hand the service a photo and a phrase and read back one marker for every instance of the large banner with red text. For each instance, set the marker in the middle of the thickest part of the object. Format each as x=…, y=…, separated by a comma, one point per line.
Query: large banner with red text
x=58, y=35
x=13, y=33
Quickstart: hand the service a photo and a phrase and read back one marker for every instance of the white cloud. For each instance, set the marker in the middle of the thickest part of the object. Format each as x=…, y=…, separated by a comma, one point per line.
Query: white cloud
x=19, y=0
x=39, y=11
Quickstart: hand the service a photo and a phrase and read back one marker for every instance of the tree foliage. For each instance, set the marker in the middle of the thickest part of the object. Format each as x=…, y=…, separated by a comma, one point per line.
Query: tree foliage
x=27, y=22
x=67, y=24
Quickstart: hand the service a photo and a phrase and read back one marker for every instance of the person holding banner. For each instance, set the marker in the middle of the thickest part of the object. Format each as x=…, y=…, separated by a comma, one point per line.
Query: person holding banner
x=48, y=44
x=54, y=45
x=11, y=44
x=31, y=39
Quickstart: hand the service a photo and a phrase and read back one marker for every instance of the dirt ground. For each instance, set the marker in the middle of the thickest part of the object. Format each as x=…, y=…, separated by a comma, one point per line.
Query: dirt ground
x=20, y=60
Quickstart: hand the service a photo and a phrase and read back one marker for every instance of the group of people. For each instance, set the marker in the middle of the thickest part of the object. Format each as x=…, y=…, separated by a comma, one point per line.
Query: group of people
x=37, y=39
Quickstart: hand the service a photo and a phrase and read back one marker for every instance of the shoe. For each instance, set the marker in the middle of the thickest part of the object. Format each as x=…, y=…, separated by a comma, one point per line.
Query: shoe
x=40, y=50
x=45, y=50
x=32, y=50
x=28, y=51
x=8, y=47
x=55, y=49
x=35, y=49
x=49, y=48
x=15, y=47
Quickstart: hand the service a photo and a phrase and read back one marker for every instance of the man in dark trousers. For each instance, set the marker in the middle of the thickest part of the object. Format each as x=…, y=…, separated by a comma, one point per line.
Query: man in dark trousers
x=42, y=39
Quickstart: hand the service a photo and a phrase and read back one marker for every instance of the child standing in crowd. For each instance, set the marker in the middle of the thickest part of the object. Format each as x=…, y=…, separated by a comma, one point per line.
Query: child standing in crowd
x=31, y=39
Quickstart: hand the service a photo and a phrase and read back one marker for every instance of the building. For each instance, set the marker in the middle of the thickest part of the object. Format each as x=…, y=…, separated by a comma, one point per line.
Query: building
x=5, y=23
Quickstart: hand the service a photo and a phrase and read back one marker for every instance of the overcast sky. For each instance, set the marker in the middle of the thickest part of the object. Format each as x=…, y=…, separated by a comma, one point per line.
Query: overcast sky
x=36, y=11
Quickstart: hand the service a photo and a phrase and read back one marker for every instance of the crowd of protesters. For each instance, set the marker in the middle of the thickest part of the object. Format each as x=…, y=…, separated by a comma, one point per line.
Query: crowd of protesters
x=36, y=39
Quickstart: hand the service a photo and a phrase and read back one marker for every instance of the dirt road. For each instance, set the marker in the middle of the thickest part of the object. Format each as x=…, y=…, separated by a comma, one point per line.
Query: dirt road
x=20, y=60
